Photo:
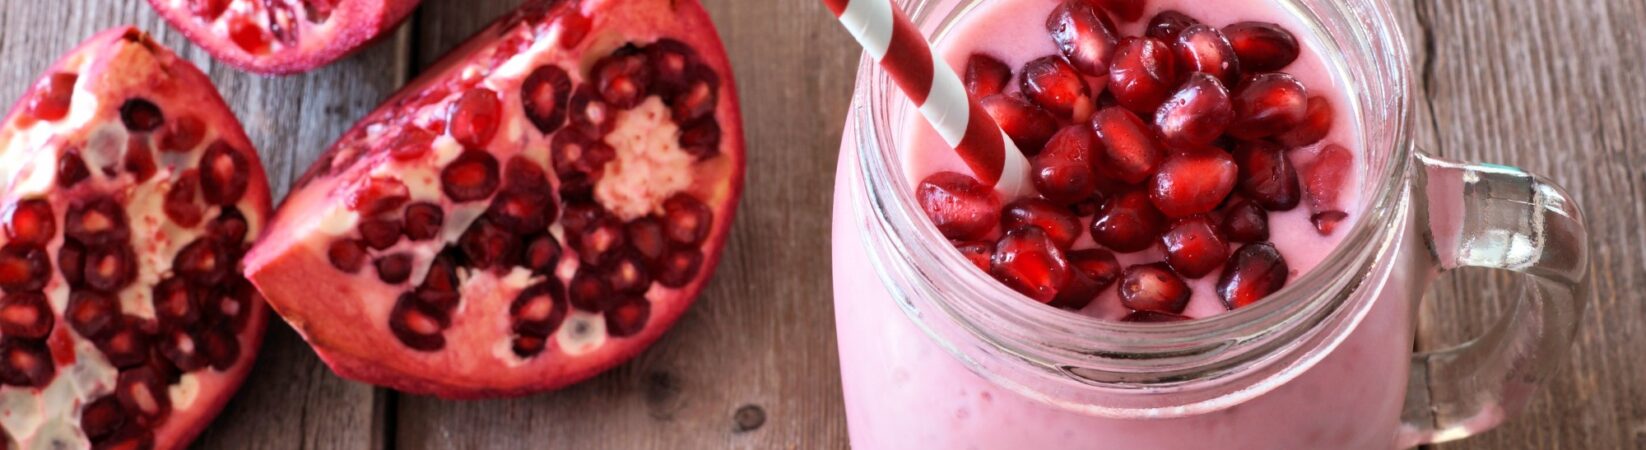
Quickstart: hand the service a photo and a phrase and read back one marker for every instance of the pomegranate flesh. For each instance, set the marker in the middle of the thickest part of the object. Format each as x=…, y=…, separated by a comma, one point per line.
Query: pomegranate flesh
x=571, y=181
x=124, y=322
x=281, y=37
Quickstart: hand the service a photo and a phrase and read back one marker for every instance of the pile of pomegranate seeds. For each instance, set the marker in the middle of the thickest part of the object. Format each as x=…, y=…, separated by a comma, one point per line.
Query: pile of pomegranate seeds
x=1177, y=140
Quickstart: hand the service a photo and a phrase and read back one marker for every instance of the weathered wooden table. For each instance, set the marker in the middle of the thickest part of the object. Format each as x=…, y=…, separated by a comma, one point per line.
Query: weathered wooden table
x=1553, y=86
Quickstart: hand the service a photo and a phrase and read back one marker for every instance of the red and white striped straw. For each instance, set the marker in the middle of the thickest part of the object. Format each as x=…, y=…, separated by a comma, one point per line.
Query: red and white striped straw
x=890, y=38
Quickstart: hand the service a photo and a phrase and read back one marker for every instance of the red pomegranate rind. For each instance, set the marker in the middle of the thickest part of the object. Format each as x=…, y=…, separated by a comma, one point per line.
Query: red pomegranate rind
x=305, y=41
x=456, y=336
x=128, y=95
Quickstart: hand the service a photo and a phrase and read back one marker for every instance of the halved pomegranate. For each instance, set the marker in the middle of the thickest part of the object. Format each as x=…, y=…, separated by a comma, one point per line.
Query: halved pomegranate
x=279, y=37
x=563, y=183
x=130, y=193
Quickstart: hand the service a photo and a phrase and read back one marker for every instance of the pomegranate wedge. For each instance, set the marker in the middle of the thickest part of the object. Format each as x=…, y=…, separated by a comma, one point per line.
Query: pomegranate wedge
x=282, y=36
x=539, y=207
x=130, y=193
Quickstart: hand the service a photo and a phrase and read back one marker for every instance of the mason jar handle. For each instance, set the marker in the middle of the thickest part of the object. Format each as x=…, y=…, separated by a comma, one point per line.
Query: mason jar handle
x=1496, y=217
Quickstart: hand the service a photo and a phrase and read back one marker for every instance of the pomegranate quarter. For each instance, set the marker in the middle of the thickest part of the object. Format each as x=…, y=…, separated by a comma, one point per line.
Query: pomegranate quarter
x=537, y=208
x=130, y=194
x=282, y=36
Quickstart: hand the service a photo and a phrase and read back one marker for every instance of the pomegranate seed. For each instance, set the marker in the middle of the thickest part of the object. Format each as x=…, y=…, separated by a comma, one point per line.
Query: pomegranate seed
x=579, y=216
x=1153, y=287
x=986, y=75
x=347, y=255
x=126, y=347
x=590, y=113
x=487, y=246
x=1194, y=248
x=23, y=267
x=91, y=314
x=521, y=211
x=183, y=134
x=1168, y=25
x=202, y=261
x=1126, y=10
x=623, y=78
x=394, y=269
x=1254, y=272
x=1084, y=35
x=1202, y=48
x=697, y=100
x=71, y=261
x=1316, y=124
x=646, y=235
x=627, y=274
x=1128, y=223
x=182, y=348
x=544, y=95
x=474, y=117
x=1193, y=183
x=1263, y=47
x=679, y=267
x=599, y=240
x=52, y=97
x=141, y=115
x=1267, y=175
x=25, y=363
x=229, y=226
x=27, y=315
x=411, y=144
x=1245, y=221
x=539, y=309
x=208, y=9
x=380, y=234
x=521, y=174
x=377, y=195
x=1153, y=317
x=248, y=35
x=1323, y=181
x=102, y=417
x=224, y=174
x=1063, y=228
x=418, y=325
x=1128, y=152
x=1143, y=74
x=1027, y=124
x=686, y=220
x=442, y=277
x=979, y=253
x=180, y=205
x=97, y=222
x=423, y=221
x=1094, y=271
x=1063, y=171
x=31, y=222
x=1267, y=104
x=71, y=169
x=578, y=160
x=1028, y=261
x=701, y=138
x=1054, y=85
x=628, y=317
x=672, y=63
x=221, y=345
x=108, y=269
x=542, y=254
x=589, y=291
x=472, y=176
x=175, y=302
x=139, y=158
x=1196, y=115
x=960, y=206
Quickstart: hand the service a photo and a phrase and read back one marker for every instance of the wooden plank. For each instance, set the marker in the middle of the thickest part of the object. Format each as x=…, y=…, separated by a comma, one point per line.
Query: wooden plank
x=1550, y=88
x=291, y=400
x=761, y=338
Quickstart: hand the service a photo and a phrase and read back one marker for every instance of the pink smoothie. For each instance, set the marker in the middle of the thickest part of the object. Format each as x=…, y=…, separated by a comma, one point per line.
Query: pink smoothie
x=986, y=30
x=904, y=391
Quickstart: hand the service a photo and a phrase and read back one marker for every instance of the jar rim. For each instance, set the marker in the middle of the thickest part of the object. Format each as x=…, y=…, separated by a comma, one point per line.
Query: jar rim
x=960, y=306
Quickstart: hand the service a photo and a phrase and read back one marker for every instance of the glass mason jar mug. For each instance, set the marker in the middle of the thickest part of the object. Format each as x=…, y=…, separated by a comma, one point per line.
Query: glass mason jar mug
x=935, y=354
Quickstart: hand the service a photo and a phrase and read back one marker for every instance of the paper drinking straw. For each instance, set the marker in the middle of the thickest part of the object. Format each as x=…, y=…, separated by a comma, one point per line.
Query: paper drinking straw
x=891, y=39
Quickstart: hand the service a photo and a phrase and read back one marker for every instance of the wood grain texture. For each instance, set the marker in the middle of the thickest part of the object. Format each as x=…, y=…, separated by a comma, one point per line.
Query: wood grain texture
x=291, y=400
x=1548, y=85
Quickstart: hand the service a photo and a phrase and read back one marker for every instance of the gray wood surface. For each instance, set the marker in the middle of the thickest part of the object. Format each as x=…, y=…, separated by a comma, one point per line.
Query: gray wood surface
x=1549, y=85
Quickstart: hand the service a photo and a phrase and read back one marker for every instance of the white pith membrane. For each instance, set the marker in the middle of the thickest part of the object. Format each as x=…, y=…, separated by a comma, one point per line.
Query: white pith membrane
x=50, y=416
x=649, y=166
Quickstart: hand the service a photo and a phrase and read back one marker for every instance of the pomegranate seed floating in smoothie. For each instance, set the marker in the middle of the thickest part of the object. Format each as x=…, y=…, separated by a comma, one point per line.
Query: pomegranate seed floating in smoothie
x=1184, y=164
